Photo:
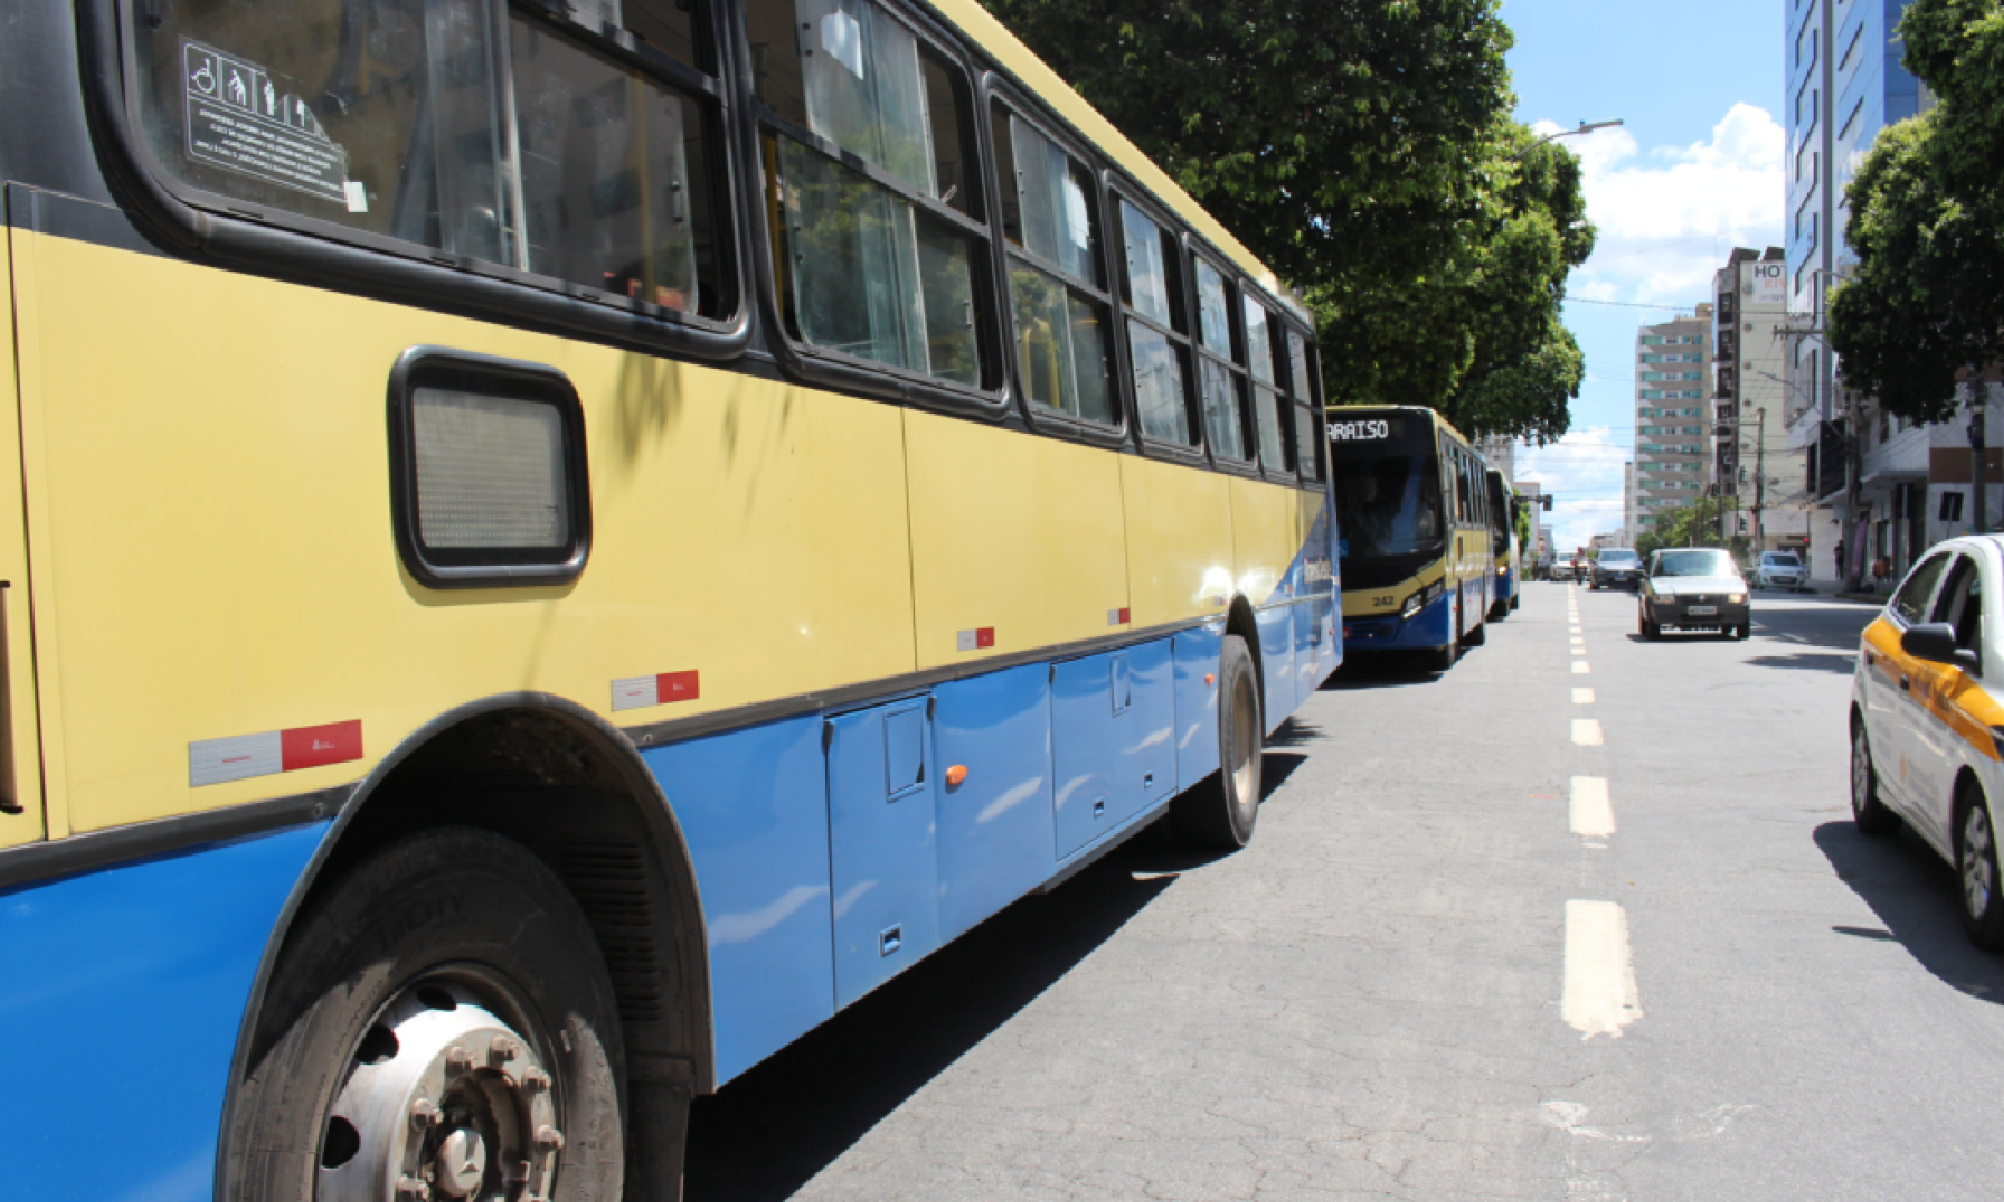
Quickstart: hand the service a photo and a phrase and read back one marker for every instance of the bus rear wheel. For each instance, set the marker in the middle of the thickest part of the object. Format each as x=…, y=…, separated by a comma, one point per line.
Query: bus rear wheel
x=439, y=1025
x=1220, y=813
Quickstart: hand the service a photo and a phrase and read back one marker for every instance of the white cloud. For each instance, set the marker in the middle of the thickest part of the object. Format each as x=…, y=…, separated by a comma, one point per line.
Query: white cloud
x=1582, y=472
x=1667, y=218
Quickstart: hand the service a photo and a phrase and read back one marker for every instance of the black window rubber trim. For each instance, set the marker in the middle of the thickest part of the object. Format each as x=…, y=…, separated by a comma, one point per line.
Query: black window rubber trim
x=485, y=375
x=299, y=250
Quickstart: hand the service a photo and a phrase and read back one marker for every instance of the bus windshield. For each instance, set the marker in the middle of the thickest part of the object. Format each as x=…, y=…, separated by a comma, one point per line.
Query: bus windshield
x=1389, y=506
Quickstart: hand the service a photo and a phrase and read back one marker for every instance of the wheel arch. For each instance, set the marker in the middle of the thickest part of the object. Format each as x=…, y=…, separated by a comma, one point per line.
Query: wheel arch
x=569, y=786
x=1967, y=785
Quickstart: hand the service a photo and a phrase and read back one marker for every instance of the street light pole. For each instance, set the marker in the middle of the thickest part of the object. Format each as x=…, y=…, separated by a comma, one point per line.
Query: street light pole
x=1585, y=127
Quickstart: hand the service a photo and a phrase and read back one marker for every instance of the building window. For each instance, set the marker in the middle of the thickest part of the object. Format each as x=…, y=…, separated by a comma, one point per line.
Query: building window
x=1851, y=122
x=1851, y=51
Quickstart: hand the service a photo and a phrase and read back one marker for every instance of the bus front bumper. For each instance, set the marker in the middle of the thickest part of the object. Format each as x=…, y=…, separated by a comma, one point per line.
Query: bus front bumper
x=1429, y=629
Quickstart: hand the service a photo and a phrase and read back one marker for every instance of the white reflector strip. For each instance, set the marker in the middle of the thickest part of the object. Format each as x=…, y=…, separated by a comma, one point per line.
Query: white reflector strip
x=635, y=692
x=213, y=761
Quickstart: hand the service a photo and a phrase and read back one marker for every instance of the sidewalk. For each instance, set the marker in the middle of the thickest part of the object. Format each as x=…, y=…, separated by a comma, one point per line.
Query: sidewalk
x=1835, y=588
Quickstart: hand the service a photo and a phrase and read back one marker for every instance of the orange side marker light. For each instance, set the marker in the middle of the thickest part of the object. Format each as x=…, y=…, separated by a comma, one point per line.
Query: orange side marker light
x=955, y=775
x=1210, y=678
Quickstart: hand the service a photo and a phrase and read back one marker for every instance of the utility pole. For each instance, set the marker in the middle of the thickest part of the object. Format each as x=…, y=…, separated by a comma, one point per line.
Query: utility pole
x=1854, y=442
x=1760, y=480
x=1980, y=524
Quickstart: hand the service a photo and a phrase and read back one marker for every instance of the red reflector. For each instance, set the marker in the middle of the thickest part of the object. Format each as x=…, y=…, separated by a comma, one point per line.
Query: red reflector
x=984, y=636
x=312, y=746
x=1126, y=615
x=677, y=686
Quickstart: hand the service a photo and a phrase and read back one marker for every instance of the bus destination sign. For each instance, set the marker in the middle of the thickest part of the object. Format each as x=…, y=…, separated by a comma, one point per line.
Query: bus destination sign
x=1367, y=430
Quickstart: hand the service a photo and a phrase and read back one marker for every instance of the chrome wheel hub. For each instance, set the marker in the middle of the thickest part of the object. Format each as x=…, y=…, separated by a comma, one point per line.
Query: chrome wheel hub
x=446, y=1101
x=1979, y=862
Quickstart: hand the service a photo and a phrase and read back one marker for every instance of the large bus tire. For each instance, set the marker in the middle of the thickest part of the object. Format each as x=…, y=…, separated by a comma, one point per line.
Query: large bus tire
x=1219, y=814
x=440, y=1018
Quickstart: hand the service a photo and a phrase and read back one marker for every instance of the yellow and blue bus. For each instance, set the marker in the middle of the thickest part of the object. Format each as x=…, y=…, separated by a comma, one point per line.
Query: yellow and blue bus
x=1415, y=540
x=556, y=546
x=1507, y=592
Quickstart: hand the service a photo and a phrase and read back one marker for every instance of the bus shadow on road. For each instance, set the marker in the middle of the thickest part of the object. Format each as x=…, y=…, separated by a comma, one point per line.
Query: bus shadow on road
x=766, y=1134
x=1914, y=894
x=1383, y=670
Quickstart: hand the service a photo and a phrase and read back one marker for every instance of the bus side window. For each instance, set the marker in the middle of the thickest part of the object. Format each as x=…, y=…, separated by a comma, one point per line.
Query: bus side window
x=874, y=221
x=456, y=127
x=1269, y=408
x=1222, y=382
x=1050, y=217
x=1309, y=443
x=1158, y=339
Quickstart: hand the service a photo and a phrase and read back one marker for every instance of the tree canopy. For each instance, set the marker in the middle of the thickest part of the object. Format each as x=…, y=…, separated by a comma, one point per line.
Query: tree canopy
x=1363, y=150
x=1926, y=298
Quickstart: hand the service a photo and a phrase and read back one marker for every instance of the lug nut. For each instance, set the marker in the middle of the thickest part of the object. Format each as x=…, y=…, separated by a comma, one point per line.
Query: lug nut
x=457, y=1058
x=503, y=1049
x=534, y=1079
x=423, y=1113
x=411, y=1187
x=549, y=1138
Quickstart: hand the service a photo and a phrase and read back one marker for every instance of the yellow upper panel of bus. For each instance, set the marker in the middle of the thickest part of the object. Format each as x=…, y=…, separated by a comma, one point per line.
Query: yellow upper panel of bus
x=982, y=30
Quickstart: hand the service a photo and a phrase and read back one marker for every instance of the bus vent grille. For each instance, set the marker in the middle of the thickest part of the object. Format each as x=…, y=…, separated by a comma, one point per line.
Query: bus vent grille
x=609, y=881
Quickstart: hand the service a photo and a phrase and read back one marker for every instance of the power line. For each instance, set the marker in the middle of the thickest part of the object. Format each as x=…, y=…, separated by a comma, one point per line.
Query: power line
x=1580, y=300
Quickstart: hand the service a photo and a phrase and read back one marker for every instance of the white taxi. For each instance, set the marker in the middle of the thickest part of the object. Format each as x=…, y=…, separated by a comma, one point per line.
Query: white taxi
x=1927, y=732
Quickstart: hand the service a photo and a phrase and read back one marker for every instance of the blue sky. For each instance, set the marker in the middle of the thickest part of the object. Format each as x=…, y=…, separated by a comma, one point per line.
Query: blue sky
x=1696, y=170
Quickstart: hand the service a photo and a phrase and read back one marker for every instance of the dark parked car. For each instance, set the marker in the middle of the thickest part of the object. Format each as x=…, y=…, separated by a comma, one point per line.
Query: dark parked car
x=1693, y=588
x=1615, y=565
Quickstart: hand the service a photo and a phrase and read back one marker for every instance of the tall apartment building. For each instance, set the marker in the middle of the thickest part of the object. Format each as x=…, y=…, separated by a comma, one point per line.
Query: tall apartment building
x=1672, y=419
x=1845, y=84
x=1762, y=481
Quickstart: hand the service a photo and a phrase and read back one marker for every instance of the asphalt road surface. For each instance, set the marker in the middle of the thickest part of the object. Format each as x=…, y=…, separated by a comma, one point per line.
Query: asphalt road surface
x=1584, y=918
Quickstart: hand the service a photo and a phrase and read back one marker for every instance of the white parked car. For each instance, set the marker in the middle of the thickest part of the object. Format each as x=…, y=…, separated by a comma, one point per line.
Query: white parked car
x=1927, y=732
x=1780, y=569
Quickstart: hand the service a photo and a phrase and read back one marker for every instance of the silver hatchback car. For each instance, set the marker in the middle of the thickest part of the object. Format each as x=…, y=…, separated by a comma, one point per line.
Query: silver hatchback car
x=1780, y=569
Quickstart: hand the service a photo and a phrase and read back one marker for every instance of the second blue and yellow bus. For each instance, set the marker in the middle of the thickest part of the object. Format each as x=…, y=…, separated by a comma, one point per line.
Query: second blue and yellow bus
x=1418, y=568
x=1507, y=589
x=551, y=547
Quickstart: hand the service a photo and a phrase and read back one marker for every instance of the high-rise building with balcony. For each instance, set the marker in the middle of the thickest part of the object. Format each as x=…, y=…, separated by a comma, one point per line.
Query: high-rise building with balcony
x=1762, y=482
x=1672, y=419
x=1846, y=82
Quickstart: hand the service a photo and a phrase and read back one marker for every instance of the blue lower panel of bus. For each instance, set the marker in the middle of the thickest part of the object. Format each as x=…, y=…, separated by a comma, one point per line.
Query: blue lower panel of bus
x=1431, y=627
x=1197, y=704
x=997, y=827
x=171, y=948
x=1276, y=651
x=1112, y=719
x=1506, y=586
x=753, y=805
x=827, y=867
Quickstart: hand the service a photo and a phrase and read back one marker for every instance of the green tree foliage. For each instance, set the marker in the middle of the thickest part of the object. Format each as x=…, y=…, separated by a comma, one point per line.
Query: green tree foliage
x=1362, y=149
x=1695, y=525
x=1927, y=222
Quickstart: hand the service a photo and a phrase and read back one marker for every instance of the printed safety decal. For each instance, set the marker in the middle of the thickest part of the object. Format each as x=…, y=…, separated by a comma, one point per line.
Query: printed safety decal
x=978, y=639
x=1119, y=617
x=238, y=120
x=637, y=692
x=270, y=752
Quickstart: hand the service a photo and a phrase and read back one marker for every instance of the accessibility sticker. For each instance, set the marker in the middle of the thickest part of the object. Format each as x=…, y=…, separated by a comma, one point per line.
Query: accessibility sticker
x=239, y=121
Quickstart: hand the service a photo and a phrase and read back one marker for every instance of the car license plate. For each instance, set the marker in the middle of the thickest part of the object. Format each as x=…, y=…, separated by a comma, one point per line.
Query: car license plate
x=1702, y=611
